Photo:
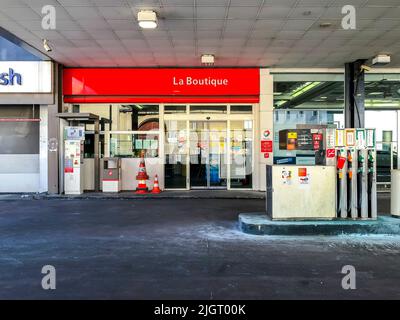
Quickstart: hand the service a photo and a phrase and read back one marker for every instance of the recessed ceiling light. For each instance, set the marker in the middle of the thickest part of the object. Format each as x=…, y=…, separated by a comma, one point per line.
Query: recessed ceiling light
x=207, y=59
x=307, y=13
x=147, y=19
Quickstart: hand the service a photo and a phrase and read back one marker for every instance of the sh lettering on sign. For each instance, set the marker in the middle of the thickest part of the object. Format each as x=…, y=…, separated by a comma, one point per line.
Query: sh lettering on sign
x=10, y=78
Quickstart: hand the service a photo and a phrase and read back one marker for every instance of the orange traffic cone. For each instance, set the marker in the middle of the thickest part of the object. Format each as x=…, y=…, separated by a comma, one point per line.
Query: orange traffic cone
x=142, y=177
x=156, y=188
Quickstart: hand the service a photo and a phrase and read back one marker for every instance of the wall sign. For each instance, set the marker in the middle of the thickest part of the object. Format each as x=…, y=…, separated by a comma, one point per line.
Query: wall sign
x=266, y=134
x=26, y=77
x=266, y=146
x=159, y=84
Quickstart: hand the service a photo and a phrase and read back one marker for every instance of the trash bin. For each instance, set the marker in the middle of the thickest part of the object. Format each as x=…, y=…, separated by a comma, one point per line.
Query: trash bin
x=111, y=175
x=395, y=192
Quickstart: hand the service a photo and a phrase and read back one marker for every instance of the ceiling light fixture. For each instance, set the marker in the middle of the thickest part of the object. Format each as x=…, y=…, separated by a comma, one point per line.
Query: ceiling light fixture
x=147, y=19
x=381, y=60
x=46, y=45
x=208, y=59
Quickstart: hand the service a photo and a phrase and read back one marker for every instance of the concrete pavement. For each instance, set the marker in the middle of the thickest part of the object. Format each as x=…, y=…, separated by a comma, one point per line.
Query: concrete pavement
x=179, y=249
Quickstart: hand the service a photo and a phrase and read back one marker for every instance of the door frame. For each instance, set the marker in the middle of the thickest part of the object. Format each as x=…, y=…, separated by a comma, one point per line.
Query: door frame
x=227, y=117
x=208, y=164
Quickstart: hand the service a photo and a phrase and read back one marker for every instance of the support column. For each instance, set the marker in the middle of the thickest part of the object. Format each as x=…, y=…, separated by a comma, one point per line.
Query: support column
x=96, y=157
x=354, y=93
x=54, y=131
x=265, y=122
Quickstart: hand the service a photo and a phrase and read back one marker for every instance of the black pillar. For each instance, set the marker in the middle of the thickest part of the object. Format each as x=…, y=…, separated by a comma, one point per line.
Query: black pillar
x=354, y=95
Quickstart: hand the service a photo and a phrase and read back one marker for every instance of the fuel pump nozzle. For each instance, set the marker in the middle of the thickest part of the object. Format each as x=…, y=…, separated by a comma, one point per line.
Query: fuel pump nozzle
x=371, y=161
x=349, y=182
x=371, y=169
x=360, y=172
x=340, y=165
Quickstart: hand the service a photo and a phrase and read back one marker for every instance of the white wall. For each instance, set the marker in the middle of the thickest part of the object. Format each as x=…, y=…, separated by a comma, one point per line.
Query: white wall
x=265, y=122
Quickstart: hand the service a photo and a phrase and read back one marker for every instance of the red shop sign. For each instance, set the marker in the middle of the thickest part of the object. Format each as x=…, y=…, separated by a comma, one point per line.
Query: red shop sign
x=102, y=84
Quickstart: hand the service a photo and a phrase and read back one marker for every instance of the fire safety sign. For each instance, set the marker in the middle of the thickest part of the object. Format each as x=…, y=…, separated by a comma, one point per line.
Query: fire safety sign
x=266, y=146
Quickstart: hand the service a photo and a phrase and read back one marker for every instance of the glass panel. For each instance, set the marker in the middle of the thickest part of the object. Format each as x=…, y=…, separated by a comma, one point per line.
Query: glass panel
x=132, y=145
x=11, y=52
x=175, y=154
x=290, y=119
x=241, y=154
x=242, y=109
x=174, y=109
x=385, y=123
x=309, y=94
x=208, y=156
x=217, y=154
x=138, y=117
x=208, y=109
x=198, y=139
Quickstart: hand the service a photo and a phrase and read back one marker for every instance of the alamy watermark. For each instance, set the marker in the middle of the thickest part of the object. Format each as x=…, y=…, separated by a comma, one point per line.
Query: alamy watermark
x=349, y=280
x=349, y=21
x=49, y=280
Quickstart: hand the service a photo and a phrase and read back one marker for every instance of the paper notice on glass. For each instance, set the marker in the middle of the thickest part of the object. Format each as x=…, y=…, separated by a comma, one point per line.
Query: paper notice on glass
x=138, y=144
x=146, y=144
x=154, y=144
x=172, y=159
x=240, y=172
x=194, y=159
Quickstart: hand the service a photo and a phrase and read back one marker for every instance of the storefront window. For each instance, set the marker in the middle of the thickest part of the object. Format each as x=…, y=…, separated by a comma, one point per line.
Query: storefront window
x=208, y=109
x=175, y=154
x=174, y=109
x=385, y=123
x=134, y=145
x=291, y=119
x=235, y=109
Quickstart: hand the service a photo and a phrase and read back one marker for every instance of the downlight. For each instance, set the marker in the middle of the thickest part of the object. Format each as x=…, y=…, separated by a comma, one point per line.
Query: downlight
x=147, y=19
x=207, y=59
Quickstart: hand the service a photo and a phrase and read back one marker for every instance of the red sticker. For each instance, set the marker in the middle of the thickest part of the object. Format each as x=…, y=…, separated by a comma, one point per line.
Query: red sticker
x=330, y=153
x=266, y=146
x=266, y=155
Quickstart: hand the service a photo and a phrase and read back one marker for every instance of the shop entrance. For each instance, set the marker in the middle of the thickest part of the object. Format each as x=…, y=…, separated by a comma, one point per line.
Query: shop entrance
x=208, y=154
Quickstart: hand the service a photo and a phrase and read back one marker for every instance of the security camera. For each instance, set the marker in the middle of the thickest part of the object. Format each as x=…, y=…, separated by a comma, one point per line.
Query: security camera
x=46, y=45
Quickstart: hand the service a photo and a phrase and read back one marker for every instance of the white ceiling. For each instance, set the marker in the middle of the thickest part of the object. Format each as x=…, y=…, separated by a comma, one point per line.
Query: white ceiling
x=275, y=33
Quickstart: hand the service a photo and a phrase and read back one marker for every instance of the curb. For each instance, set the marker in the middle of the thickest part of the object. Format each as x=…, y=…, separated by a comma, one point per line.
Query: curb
x=261, y=224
